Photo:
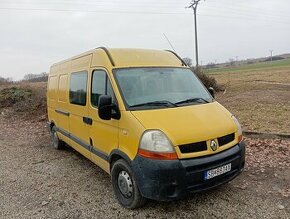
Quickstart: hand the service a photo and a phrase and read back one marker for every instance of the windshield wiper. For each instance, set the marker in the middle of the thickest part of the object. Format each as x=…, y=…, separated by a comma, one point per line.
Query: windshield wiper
x=191, y=100
x=156, y=103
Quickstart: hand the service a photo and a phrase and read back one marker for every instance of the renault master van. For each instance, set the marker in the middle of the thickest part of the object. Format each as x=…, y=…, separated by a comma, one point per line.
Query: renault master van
x=145, y=118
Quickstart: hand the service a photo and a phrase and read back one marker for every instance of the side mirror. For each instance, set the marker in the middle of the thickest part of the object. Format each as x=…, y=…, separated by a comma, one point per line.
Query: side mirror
x=107, y=110
x=105, y=107
x=211, y=91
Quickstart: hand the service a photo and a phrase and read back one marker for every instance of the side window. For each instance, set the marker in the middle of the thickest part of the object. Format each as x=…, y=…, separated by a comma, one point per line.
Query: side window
x=62, y=88
x=100, y=85
x=78, y=88
x=52, y=87
x=110, y=90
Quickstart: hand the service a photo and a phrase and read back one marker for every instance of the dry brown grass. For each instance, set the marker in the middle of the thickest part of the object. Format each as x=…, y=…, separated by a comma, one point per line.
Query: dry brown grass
x=257, y=98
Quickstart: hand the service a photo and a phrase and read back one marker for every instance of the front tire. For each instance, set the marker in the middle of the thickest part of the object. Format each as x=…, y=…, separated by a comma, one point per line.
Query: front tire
x=57, y=143
x=125, y=186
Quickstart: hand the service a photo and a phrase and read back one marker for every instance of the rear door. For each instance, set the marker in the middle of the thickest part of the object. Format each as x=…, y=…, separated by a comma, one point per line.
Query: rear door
x=103, y=133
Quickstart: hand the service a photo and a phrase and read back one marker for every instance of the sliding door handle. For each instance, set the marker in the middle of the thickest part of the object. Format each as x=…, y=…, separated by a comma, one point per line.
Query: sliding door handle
x=88, y=120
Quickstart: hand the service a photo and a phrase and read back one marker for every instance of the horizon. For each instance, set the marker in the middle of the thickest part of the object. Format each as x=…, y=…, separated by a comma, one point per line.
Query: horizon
x=41, y=33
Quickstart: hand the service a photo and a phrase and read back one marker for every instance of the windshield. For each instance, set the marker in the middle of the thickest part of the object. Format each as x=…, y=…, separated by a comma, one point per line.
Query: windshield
x=160, y=87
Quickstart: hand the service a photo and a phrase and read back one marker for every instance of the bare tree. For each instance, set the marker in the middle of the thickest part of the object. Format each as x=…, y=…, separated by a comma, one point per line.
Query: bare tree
x=231, y=61
x=188, y=61
x=5, y=80
x=36, y=77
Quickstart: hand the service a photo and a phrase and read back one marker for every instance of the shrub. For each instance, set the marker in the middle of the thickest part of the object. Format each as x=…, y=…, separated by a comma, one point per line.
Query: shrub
x=10, y=96
x=35, y=104
x=24, y=100
x=207, y=80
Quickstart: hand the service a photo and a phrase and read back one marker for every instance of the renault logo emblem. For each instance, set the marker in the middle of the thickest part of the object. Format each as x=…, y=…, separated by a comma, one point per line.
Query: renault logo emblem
x=213, y=145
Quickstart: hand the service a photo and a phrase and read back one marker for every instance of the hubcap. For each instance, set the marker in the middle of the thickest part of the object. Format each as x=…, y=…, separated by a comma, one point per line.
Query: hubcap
x=125, y=184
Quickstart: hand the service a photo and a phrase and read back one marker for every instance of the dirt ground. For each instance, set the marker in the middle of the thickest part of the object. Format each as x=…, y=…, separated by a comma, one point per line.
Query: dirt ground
x=37, y=181
x=259, y=98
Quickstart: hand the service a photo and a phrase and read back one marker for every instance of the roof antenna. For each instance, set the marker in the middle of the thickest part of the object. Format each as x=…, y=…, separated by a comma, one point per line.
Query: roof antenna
x=169, y=43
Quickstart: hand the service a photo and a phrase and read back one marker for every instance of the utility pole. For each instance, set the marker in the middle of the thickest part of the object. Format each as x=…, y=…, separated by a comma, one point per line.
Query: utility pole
x=271, y=53
x=193, y=5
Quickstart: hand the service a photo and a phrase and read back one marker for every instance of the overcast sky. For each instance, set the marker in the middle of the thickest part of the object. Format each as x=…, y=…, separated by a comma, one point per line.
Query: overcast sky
x=34, y=34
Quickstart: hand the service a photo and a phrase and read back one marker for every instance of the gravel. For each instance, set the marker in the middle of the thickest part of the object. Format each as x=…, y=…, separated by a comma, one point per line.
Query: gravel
x=37, y=181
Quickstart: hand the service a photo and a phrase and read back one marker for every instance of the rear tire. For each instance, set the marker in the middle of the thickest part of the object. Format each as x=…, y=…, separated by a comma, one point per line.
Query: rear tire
x=57, y=143
x=125, y=186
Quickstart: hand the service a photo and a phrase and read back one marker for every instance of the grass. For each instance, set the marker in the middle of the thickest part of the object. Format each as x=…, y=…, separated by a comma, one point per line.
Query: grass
x=275, y=65
x=259, y=97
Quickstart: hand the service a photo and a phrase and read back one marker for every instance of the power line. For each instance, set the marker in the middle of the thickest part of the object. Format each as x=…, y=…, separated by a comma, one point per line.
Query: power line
x=100, y=3
x=241, y=17
x=249, y=13
x=137, y=12
x=168, y=4
x=239, y=6
x=235, y=9
x=91, y=11
x=171, y=5
x=107, y=4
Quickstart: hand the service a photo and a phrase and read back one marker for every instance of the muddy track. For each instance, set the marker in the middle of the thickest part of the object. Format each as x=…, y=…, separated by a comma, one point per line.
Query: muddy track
x=37, y=181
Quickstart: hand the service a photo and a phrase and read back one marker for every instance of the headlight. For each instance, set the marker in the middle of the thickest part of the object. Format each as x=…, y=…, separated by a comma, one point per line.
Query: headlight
x=239, y=128
x=154, y=144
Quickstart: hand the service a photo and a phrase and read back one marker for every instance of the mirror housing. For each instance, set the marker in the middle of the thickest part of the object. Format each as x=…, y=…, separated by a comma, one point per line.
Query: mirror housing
x=107, y=109
x=211, y=91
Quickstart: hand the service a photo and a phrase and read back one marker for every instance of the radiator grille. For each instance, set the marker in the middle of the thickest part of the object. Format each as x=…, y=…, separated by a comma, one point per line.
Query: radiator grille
x=193, y=147
x=226, y=139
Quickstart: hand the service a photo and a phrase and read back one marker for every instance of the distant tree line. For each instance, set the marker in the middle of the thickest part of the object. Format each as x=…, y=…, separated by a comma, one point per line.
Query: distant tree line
x=188, y=61
x=5, y=80
x=42, y=77
x=274, y=58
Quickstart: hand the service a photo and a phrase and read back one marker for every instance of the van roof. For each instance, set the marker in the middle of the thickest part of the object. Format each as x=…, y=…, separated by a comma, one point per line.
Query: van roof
x=122, y=57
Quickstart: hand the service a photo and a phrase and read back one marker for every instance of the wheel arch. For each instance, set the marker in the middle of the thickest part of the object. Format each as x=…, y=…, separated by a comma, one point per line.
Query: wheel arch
x=115, y=155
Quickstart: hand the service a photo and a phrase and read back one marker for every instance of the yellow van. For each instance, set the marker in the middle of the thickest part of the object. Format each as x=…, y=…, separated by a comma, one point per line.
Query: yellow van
x=145, y=118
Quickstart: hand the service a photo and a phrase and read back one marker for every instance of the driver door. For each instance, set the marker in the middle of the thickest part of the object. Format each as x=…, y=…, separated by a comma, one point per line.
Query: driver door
x=103, y=133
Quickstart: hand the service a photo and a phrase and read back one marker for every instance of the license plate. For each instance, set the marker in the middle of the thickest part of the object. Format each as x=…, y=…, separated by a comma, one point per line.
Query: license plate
x=217, y=171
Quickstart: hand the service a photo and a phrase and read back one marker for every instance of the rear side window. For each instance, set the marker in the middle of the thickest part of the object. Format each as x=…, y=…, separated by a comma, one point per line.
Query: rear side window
x=100, y=85
x=78, y=88
x=52, y=87
x=62, y=88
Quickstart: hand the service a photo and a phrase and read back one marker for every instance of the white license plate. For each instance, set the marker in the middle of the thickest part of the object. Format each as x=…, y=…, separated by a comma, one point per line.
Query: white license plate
x=217, y=171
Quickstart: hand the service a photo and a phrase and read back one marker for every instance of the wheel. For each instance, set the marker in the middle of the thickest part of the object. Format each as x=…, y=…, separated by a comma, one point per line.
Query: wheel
x=125, y=186
x=57, y=143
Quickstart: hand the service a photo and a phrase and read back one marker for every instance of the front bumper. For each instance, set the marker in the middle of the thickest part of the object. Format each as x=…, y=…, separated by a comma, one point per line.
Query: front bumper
x=166, y=180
